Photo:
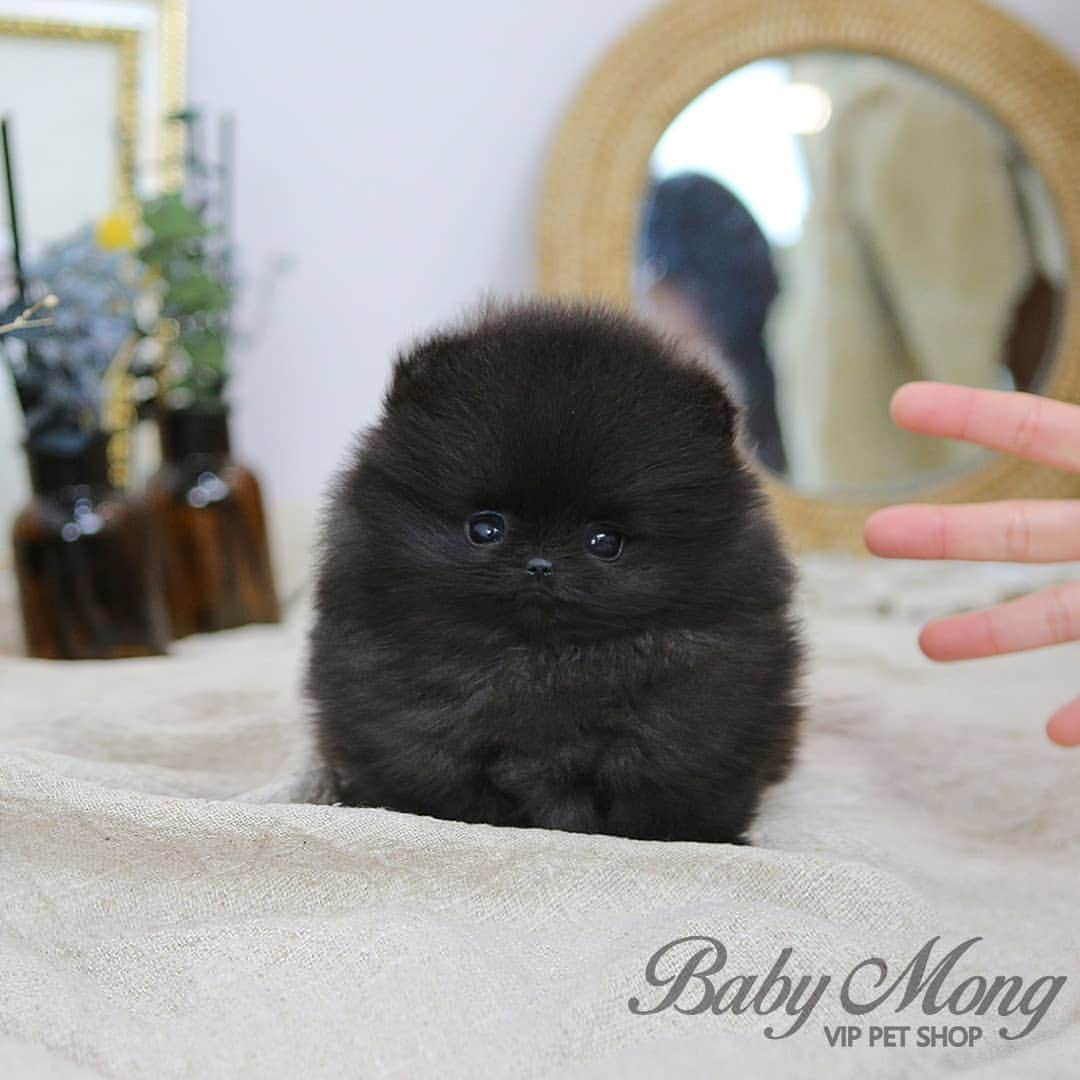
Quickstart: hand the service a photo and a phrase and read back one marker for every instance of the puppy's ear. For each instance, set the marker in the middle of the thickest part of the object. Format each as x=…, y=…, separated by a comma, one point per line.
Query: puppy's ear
x=406, y=383
x=722, y=414
x=417, y=375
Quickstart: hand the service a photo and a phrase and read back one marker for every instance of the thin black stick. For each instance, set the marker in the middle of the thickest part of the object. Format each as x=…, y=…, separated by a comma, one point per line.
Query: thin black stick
x=13, y=213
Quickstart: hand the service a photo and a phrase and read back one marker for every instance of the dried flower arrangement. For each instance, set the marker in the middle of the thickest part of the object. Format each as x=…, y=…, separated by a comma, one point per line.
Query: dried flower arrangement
x=209, y=506
x=60, y=364
x=87, y=570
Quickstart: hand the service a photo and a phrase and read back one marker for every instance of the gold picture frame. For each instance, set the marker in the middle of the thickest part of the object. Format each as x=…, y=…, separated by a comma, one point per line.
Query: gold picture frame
x=598, y=170
x=127, y=92
x=171, y=89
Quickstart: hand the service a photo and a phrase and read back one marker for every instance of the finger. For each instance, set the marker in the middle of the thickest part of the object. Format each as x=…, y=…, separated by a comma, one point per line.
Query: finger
x=1024, y=425
x=1064, y=726
x=1050, y=617
x=1030, y=531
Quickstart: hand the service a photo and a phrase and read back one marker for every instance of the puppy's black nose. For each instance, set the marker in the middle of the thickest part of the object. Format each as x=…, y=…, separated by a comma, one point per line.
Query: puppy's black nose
x=539, y=567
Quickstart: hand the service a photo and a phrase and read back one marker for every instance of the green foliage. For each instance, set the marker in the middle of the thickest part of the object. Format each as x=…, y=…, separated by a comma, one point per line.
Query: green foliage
x=171, y=221
x=194, y=290
x=195, y=294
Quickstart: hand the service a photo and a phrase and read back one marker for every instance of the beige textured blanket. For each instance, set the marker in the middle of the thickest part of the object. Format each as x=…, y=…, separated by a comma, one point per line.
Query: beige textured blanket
x=164, y=912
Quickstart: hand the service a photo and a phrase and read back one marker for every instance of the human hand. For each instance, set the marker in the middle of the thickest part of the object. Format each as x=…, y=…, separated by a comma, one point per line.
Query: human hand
x=1033, y=531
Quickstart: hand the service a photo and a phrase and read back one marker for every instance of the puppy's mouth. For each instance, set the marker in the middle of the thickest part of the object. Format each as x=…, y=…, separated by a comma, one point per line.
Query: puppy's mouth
x=538, y=597
x=536, y=605
x=542, y=617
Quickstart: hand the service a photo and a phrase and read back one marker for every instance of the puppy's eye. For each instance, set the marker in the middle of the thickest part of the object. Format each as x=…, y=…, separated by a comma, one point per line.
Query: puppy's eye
x=485, y=527
x=605, y=543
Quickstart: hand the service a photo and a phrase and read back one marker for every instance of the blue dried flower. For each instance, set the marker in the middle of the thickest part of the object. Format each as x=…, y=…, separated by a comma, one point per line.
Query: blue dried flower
x=59, y=368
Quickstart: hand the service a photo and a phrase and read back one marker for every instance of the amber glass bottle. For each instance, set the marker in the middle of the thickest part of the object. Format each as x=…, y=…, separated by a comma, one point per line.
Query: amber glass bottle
x=87, y=566
x=209, y=512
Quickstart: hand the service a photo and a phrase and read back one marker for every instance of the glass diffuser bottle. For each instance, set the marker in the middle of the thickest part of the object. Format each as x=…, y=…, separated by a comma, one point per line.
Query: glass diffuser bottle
x=86, y=562
x=209, y=512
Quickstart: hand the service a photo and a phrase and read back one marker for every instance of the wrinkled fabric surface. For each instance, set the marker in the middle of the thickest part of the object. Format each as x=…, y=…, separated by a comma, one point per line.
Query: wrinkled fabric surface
x=168, y=908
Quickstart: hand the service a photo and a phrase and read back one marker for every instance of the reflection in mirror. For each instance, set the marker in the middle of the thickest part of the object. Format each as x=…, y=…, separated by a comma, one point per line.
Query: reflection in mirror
x=826, y=227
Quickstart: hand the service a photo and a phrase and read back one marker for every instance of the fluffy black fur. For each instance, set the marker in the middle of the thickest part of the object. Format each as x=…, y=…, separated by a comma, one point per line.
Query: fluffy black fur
x=651, y=696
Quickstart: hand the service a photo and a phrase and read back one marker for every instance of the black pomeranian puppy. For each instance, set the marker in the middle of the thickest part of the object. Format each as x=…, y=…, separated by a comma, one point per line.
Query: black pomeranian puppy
x=550, y=591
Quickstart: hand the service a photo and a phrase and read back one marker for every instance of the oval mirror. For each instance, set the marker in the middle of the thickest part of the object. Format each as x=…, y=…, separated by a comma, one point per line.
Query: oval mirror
x=825, y=227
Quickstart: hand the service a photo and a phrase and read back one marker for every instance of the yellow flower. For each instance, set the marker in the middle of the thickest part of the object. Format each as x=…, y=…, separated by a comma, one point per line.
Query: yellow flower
x=116, y=232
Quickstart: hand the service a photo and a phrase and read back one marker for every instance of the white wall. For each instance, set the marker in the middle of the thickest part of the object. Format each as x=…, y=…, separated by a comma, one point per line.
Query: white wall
x=397, y=150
